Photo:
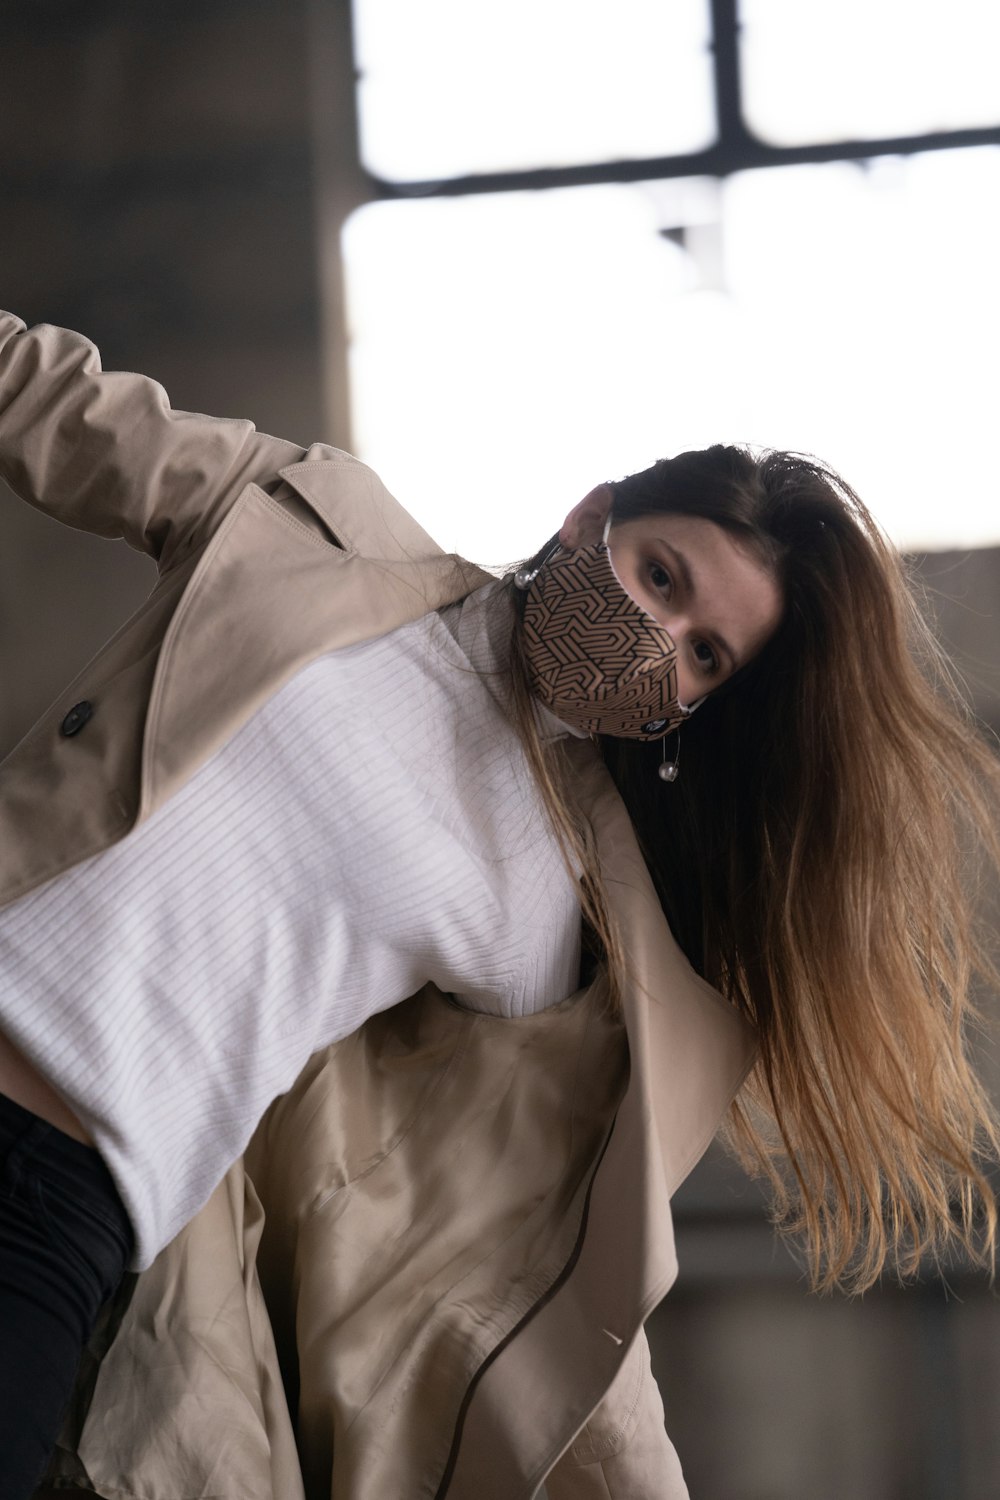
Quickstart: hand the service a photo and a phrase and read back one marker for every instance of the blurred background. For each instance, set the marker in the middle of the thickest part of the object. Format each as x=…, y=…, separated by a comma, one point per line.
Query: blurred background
x=502, y=252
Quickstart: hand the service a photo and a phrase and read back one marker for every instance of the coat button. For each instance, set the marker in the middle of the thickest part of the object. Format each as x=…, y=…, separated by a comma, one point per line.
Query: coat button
x=76, y=718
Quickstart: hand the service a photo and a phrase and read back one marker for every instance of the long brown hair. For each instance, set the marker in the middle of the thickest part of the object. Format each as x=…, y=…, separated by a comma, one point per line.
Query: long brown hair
x=813, y=861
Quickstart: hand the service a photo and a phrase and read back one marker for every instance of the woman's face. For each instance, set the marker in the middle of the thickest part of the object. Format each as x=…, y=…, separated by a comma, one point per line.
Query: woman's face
x=720, y=605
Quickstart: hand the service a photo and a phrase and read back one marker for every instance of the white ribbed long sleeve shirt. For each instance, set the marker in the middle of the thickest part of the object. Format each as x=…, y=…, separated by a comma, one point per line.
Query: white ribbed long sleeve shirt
x=372, y=827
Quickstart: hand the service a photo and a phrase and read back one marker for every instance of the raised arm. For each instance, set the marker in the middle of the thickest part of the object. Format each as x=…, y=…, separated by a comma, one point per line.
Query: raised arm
x=104, y=451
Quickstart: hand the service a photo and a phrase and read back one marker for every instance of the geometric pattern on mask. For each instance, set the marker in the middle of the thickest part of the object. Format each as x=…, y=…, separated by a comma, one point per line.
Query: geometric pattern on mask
x=595, y=657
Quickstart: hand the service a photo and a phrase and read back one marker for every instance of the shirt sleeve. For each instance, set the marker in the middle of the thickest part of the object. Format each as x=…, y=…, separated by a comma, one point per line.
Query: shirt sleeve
x=105, y=452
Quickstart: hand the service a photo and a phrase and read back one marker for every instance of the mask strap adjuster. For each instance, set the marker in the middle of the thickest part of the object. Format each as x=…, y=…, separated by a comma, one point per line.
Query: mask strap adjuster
x=525, y=577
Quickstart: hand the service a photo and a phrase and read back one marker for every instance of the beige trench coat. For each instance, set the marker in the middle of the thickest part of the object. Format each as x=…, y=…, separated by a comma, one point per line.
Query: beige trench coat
x=429, y=1274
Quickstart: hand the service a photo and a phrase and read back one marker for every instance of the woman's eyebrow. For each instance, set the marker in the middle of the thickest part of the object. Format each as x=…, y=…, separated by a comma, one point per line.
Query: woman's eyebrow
x=687, y=579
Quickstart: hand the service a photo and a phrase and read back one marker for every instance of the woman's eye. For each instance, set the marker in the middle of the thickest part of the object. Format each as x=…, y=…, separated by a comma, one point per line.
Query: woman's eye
x=706, y=657
x=660, y=578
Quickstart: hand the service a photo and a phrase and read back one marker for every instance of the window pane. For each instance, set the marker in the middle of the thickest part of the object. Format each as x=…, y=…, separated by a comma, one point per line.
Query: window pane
x=450, y=87
x=511, y=351
x=868, y=69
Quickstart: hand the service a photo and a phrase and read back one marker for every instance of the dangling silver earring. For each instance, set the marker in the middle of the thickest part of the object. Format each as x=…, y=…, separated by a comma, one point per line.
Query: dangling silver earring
x=667, y=769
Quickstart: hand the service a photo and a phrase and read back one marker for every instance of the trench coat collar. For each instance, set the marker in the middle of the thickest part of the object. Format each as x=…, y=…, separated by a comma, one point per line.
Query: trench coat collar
x=273, y=591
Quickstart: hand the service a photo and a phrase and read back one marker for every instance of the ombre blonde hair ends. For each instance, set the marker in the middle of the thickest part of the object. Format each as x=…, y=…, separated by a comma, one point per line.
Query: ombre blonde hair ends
x=818, y=860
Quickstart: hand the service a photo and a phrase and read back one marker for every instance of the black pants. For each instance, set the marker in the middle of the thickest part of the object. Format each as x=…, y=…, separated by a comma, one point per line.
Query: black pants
x=65, y=1242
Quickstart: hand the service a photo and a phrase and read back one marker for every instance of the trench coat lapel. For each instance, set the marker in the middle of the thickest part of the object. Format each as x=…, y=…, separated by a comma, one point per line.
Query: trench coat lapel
x=270, y=594
x=689, y=1052
x=692, y=1050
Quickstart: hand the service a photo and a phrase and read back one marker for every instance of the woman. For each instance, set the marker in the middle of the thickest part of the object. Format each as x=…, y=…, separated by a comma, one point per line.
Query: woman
x=206, y=909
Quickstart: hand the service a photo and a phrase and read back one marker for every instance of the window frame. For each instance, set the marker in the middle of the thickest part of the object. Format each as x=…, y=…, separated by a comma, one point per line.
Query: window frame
x=737, y=148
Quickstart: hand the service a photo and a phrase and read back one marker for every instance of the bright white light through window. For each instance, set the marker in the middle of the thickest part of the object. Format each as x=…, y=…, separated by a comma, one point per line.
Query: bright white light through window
x=450, y=87
x=832, y=70
x=511, y=351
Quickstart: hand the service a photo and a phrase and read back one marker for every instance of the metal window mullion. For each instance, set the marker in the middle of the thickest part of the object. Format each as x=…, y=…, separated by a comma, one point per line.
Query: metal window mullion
x=736, y=149
x=720, y=160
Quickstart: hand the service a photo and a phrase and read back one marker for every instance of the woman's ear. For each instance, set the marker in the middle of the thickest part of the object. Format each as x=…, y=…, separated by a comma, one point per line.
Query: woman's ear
x=585, y=523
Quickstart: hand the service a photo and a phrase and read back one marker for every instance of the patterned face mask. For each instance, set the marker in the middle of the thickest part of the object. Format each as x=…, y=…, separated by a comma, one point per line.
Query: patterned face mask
x=595, y=657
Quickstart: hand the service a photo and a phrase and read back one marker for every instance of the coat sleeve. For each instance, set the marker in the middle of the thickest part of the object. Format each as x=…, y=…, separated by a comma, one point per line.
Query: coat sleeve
x=623, y=1452
x=104, y=451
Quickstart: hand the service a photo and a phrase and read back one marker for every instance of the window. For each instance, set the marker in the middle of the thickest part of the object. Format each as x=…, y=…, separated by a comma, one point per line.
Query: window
x=509, y=349
x=448, y=87
x=867, y=69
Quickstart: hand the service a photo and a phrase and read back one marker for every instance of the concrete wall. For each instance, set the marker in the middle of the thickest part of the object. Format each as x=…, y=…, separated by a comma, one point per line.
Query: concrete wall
x=156, y=192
